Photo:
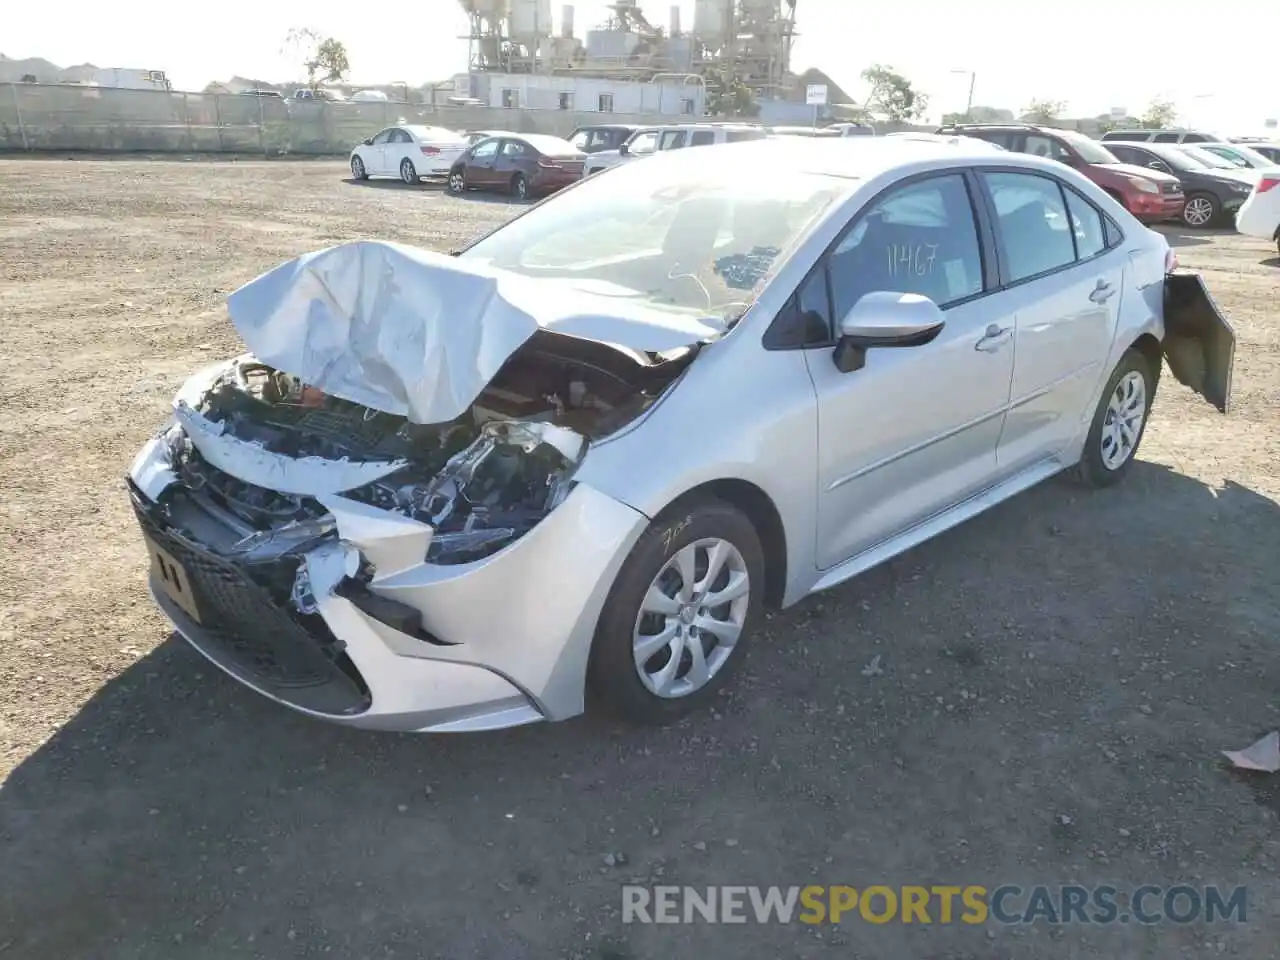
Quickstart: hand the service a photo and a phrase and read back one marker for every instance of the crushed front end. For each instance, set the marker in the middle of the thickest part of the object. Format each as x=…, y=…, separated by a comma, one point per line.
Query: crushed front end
x=360, y=567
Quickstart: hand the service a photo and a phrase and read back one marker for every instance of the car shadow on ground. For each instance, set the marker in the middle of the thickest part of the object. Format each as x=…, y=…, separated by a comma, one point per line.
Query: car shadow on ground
x=1180, y=236
x=178, y=814
x=387, y=183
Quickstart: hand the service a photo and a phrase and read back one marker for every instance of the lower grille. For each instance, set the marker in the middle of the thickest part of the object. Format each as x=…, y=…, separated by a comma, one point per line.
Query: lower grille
x=243, y=616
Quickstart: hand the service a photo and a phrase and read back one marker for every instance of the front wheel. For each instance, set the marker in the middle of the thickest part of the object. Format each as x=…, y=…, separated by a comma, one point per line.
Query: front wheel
x=678, y=617
x=520, y=187
x=408, y=172
x=457, y=181
x=1200, y=210
x=1119, y=422
x=358, y=171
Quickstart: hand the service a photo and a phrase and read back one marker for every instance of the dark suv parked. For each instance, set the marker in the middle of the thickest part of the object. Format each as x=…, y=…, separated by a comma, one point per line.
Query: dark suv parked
x=1151, y=197
x=1213, y=192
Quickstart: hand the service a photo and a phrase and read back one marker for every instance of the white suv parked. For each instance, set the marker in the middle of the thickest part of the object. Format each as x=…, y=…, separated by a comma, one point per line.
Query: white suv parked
x=649, y=140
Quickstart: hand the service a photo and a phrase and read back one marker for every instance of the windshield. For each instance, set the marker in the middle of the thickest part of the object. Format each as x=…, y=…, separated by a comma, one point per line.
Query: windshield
x=1208, y=158
x=1091, y=151
x=677, y=232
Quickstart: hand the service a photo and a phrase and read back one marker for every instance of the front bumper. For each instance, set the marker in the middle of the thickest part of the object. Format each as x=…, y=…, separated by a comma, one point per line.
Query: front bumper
x=504, y=641
x=1152, y=208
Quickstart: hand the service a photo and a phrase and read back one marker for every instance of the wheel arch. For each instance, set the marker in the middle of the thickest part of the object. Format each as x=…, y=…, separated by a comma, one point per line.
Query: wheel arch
x=1152, y=351
x=760, y=509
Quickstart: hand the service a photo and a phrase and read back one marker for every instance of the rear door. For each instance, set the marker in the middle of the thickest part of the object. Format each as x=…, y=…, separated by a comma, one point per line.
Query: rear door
x=1062, y=275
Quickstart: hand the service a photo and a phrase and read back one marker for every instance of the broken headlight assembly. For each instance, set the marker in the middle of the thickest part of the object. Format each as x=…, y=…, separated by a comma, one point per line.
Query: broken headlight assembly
x=489, y=494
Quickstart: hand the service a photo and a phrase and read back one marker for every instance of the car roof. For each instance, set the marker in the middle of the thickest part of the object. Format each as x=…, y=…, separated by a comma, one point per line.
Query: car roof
x=851, y=158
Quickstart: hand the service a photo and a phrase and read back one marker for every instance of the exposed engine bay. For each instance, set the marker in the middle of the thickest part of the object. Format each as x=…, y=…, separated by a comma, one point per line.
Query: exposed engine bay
x=480, y=481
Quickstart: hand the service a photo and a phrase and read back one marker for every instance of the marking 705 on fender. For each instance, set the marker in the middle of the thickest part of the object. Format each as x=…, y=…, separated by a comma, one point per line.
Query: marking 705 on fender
x=171, y=577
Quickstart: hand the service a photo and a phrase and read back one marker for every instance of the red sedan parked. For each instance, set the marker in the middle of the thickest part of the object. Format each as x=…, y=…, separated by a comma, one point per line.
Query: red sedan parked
x=521, y=164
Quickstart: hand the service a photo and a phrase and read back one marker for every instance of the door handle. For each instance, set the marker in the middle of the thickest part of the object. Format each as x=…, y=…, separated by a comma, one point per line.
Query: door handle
x=1102, y=292
x=995, y=338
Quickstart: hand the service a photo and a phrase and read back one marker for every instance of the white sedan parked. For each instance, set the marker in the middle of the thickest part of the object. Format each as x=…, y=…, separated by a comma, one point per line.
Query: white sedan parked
x=407, y=151
x=1260, y=215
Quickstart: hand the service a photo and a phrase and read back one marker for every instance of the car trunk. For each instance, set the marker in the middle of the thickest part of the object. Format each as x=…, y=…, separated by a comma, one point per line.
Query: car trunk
x=1199, y=344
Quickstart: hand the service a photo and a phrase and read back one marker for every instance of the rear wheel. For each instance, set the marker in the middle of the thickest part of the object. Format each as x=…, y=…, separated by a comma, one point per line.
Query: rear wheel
x=678, y=617
x=520, y=187
x=1200, y=210
x=408, y=172
x=1119, y=422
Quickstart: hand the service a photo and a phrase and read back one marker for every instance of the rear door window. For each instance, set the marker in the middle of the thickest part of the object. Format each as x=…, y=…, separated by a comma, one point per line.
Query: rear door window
x=672, y=140
x=1165, y=138
x=702, y=138
x=1032, y=222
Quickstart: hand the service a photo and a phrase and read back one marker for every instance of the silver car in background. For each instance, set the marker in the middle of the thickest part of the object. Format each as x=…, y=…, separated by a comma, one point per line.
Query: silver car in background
x=575, y=463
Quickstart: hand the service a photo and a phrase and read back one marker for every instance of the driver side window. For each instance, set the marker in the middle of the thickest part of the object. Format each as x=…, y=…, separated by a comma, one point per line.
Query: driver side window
x=920, y=238
x=485, y=150
x=383, y=137
x=643, y=142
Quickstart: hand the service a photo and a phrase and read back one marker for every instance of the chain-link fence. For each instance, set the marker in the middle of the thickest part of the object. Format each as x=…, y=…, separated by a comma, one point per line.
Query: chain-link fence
x=105, y=119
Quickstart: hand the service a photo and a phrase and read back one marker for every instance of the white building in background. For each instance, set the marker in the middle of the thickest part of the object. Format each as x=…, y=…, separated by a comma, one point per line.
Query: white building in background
x=668, y=97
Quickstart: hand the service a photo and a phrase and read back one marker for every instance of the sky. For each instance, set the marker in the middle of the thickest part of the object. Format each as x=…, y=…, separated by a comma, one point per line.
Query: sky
x=1016, y=52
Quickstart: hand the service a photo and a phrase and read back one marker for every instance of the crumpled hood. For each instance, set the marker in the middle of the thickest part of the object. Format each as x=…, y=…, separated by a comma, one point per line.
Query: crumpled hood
x=419, y=334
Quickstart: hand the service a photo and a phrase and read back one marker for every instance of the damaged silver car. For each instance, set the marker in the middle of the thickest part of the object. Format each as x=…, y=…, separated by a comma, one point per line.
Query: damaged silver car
x=573, y=463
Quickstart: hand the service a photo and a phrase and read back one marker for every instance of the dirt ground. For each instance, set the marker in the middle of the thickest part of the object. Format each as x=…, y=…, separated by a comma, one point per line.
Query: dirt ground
x=1056, y=678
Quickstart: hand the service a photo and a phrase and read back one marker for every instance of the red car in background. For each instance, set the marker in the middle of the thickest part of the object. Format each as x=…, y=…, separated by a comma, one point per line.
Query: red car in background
x=523, y=165
x=1149, y=195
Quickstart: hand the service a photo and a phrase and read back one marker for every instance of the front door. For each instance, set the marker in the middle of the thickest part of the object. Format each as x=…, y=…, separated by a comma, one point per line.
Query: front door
x=377, y=153
x=1063, y=275
x=480, y=164
x=915, y=430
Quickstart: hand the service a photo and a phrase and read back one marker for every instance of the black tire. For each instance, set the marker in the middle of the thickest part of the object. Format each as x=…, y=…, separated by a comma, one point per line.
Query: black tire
x=358, y=172
x=613, y=682
x=457, y=181
x=520, y=187
x=1093, y=470
x=408, y=172
x=1198, y=202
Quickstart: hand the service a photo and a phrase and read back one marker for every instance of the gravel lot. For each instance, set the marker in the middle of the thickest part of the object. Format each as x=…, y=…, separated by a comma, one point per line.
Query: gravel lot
x=1056, y=678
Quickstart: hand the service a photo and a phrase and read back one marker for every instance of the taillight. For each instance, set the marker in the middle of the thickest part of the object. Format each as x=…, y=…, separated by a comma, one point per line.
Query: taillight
x=548, y=164
x=1266, y=183
x=430, y=151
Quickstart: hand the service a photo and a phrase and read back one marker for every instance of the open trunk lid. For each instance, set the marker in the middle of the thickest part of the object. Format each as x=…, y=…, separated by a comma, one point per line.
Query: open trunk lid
x=1199, y=344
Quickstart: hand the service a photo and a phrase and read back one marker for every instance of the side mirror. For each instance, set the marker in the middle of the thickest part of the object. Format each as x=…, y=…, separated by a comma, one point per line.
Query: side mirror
x=624, y=150
x=367, y=141
x=885, y=319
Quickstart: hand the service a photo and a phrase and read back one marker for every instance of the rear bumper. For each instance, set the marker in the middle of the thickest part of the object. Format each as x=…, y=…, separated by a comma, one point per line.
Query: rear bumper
x=548, y=182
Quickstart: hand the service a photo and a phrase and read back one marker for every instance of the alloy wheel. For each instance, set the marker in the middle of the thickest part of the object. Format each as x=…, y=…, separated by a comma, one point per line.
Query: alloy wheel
x=457, y=183
x=1198, y=211
x=691, y=618
x=1126, y=411
x=357, y=168
x=407, y=172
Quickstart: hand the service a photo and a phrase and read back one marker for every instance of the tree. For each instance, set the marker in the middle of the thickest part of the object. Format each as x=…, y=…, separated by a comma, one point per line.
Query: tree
x=1160, y=114
x=1043, y=111
x=891, y=95
x=324, y=58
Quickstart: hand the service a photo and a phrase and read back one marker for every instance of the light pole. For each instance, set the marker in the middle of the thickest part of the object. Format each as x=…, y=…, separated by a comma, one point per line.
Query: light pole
x=973, y=78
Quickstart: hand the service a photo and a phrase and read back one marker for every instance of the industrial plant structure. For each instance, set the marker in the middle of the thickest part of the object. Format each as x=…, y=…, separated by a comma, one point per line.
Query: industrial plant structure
x=629, y=63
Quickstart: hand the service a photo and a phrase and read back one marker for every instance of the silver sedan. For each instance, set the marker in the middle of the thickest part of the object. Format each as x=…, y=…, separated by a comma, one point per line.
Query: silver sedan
x=574, y=464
